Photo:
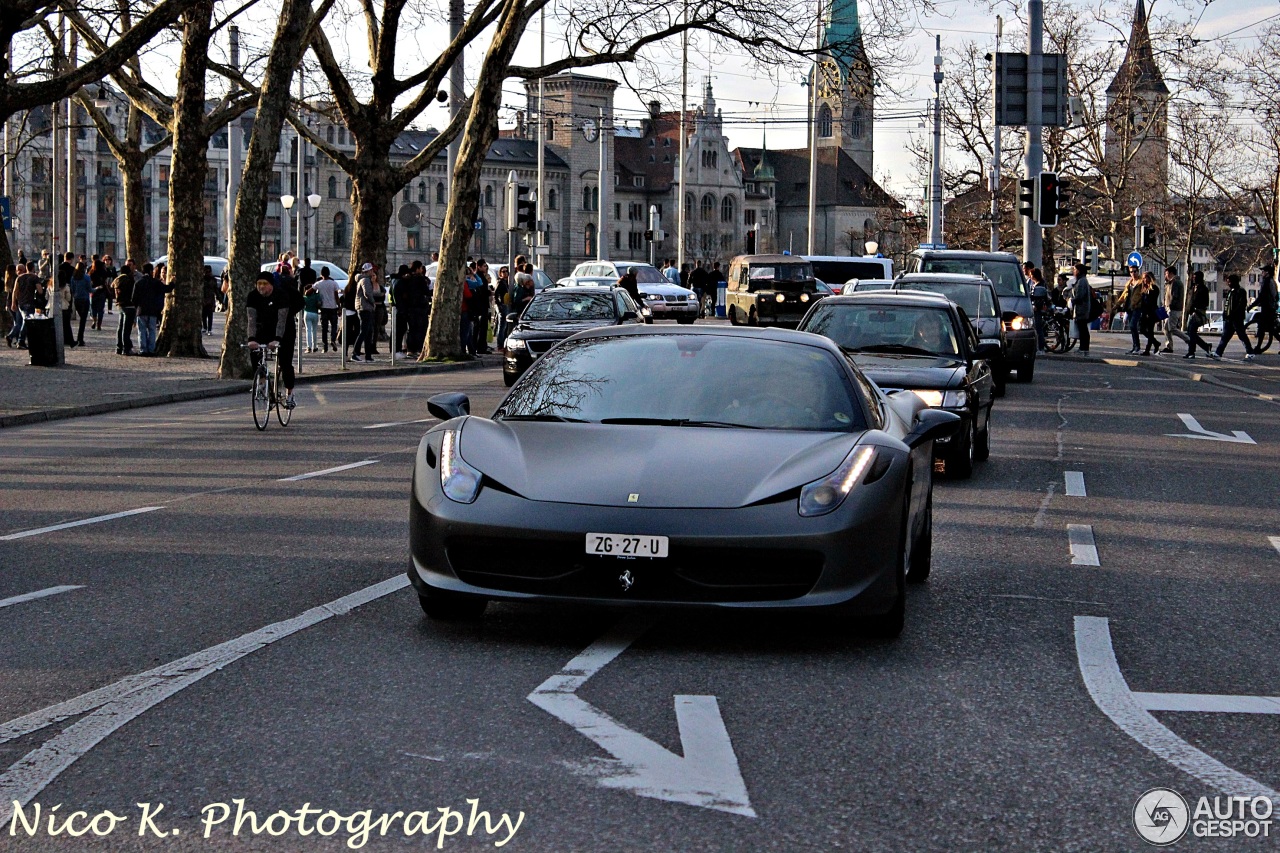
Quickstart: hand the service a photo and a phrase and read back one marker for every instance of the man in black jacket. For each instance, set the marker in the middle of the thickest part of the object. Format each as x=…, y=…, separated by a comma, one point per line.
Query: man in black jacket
x=148, y=302
x=123, y=290
x=1237, y=302
x=270, y=310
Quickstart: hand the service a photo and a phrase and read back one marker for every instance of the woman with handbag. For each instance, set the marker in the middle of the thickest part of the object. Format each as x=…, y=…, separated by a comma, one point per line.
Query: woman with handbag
x=1150, y=309
x=1198, y=304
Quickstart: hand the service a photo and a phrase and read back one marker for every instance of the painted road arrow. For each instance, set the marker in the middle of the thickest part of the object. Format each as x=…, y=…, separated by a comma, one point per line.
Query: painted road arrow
x=1197, y=431
x=706, y=776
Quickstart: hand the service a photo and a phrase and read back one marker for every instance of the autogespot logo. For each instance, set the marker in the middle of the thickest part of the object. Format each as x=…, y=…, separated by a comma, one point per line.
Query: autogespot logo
x=1161, y=816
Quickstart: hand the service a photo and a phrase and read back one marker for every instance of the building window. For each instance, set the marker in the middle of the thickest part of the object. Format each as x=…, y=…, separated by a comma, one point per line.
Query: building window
x=440, y=193
x=413, y=240
x=638, y=180
x=708, y=207
x=855, y=123
x=707, y=243
x=617, y=240
x=666, y=143
x=688, y=205
x=351, y=191
x=342, y=136
x=488, y=196
x=333, y=187
x=551, y=199
x=617, y=211
x=422, y=192
x=651, y=143
x=590, y=198
x=635, y=241
x=339, y=230
x=589, y=240
x=824, y=122
x=407, y=196
x=328, y=134
x=710, y=159
x=726, y=209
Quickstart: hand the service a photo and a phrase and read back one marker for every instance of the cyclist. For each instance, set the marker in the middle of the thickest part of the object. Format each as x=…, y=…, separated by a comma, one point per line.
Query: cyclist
x=271, y=308
x=1266, y=304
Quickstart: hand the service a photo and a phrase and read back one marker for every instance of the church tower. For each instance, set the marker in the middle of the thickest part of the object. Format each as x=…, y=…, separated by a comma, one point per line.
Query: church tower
x=1137, y=145
x=844, y=91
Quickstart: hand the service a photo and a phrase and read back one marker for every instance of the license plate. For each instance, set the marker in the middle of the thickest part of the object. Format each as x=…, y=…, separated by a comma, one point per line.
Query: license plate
x=626, y=545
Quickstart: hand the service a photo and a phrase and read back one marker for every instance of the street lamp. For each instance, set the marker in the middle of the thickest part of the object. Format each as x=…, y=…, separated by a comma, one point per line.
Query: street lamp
x=871, y=246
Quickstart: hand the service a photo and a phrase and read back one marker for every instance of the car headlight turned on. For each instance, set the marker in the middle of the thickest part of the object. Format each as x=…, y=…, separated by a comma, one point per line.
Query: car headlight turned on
x=1018, y=324
x=514, y=344
x=459, y=480
x=823, y=496
x=944, y=399
x=781, y=297
x=804, y=297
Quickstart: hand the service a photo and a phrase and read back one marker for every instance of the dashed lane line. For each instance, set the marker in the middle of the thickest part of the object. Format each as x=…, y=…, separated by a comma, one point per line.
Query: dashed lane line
x=32, y=596
x=23, y=534
x=1275, y=542
x=108, y=708
x=1084, y=552
x=335, y=470
x=1208, y=703
x=1075, y=484
x=397, y=423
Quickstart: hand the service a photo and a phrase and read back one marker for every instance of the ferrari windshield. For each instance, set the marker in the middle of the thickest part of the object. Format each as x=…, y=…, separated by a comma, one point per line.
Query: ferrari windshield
x=886, y=328
x=570, y=307
x=688, y=380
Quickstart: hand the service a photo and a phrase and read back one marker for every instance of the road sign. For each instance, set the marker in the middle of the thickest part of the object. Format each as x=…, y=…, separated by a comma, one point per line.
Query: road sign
x=1011, y=91
x=479, y=225
x=1134, y=260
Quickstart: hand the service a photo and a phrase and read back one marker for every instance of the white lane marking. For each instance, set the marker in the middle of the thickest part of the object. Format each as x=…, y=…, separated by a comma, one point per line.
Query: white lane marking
x=1197, y=431
x=1208, y=703
x=32, y=596
x=707, y=775
x=1075, y=484
x=397, y=423
x=82, y=522
x=311, y=474
x=1083, y=550
x=116, y=704
x=1110, y=692
x=1275, y=542
x=1038, y=521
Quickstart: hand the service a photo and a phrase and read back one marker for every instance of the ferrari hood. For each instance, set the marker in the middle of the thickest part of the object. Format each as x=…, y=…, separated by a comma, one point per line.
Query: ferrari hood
x=663, y=466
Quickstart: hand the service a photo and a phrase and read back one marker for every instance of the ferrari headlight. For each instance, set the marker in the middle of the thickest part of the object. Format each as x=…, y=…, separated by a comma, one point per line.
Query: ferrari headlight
x=930, y=398
x=822, y=496
x=781, y=297
x=459, y=480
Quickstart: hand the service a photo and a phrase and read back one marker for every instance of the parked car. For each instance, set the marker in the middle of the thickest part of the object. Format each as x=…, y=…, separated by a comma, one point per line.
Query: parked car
x=336, y=272
x=665, y=301
x=1214, y=326
x=922, y=343
x=644, y=466
x=864, y=285
x=1005, y=273
x=214, y=262
x=770, y=290
x=976, y=296
x=557, y=313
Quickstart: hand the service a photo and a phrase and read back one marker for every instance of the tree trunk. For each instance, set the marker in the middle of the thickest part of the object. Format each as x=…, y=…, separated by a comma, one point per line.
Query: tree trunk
x=135, y=208
x=251, y=203
x=180, y=331
x=459, y=220
x=374, y=204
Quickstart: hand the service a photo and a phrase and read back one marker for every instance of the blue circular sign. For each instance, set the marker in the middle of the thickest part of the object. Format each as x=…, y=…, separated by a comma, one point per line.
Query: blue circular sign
x=1134, y=260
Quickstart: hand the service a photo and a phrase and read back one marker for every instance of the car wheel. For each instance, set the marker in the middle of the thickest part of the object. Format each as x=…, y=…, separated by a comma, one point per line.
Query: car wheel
x=922, y=552
x=888, y=625
x=960, y=458
x=733, y=316
x=1027, y=372
x=509, y=379
x=450, y=606
x=982, y=440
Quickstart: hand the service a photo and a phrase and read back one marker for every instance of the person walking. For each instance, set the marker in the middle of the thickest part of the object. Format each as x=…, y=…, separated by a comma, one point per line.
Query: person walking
x=329, y=295
x=311, y=303
x=1149, y=309
x=209, y=300
x=22, y=303
x=99, y=291
x=122, y=287
x=109, y=272
x=415, y=306
x=628, y=282
x=1266, y=303
x=6, y=315
x=470, y=286
x=366, y=305
x=1233, y=313
x=1174, y=300
x=81, y=292
x=1197, y=308
x=1131, y=299
x=670, y=272
x=1081, y=305
x=66, y=270
x=148, y=300
x=1039, y=307
x=44, y=268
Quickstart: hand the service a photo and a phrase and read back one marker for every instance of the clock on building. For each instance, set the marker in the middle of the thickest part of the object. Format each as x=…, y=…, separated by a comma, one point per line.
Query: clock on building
x=828, y=80
x=590, y=131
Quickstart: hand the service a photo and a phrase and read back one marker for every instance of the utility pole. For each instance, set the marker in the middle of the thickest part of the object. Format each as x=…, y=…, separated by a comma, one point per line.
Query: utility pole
x=538, y=261
x=235, y=144
x=654, y=225
x=73, y=43
x=995, y=153
x=1032, y=237
x=301, y=194
x=935, y=178
x=1137, y=228
x=602, y=196
x=455, y=88
x=680, y=167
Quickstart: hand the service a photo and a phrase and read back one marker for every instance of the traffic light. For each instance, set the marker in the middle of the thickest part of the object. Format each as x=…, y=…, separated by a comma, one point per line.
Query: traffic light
x=1064, y=198
x=648, y=235
x=1047, y=200
x=1089, y=257
x=526, y=210
x=1146, y=236
x=1028, y=193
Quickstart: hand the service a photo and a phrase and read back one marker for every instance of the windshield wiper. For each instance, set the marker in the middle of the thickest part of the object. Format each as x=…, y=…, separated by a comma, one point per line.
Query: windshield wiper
x=902, y=348
x=677, y=422
x=545, y=417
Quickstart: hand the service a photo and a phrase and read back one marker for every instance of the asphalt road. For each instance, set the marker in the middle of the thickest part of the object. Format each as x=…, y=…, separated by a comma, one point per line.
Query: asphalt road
x=976, y=730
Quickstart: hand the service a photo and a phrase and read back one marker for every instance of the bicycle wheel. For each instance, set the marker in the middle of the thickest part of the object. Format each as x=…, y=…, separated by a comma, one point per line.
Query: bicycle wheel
x=260, y=394
x=283, y=412
x=1053, y=338
x=1264, y=339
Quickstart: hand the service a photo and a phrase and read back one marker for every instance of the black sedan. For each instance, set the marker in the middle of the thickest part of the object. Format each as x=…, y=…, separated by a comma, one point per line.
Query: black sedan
x=976, y=296
x=672, y=465
x=923, y=343
x=557, y=313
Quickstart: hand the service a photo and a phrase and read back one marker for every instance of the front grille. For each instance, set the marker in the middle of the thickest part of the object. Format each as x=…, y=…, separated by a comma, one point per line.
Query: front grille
x=677, y=298
x=539, y=347
x=690, y=573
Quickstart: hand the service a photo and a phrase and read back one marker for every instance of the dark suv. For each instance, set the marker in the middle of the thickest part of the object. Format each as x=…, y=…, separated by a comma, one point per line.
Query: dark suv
x=1015, y=301
x=976, y=296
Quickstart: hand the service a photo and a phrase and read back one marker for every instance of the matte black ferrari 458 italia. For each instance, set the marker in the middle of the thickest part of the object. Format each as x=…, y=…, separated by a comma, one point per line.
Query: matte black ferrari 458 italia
x=667, y=465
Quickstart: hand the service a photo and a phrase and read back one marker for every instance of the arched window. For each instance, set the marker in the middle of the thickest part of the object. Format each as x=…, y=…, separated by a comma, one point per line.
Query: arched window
x=488, y=196
x=339, y=230
x=351, y=192
x=688, y=205
x=855, y=123
x=551, y=199
x=328, y=134
x=708, y=207
x=440, y=193
x=342, y=136
x=408, y=193
x=726, y=210
x=589, y=240
x=422, y=192
x=586, y=200
x=333, y=187
x=824, y=122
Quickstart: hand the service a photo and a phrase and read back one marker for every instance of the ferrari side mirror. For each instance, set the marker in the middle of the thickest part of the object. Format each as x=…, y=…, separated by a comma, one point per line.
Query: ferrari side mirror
x=450, y=405
x=931, y=425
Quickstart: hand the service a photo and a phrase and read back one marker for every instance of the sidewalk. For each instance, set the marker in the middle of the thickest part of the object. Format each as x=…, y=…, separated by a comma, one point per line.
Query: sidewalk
x=95, y=379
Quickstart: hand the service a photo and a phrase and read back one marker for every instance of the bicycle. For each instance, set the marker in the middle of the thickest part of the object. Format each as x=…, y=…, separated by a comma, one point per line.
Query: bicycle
x=1057, y=331
x=1265, y=333
x=267, y=391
